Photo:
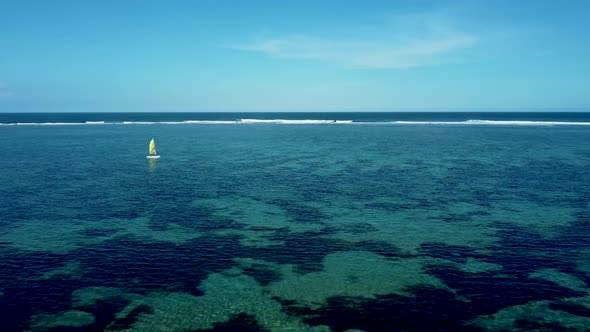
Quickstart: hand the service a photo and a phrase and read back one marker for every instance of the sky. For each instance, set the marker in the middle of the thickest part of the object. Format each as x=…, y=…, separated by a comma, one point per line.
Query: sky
x=210, y=56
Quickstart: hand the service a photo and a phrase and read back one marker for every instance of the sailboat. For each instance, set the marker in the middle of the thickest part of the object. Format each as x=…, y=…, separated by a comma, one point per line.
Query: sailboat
x=152, y=149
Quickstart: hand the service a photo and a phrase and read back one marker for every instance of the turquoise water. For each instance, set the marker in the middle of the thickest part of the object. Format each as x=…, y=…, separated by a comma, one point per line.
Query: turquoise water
x=295, y=227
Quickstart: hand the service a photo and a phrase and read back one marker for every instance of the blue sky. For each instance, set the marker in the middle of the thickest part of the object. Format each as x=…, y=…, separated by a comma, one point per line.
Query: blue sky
x=294, y=55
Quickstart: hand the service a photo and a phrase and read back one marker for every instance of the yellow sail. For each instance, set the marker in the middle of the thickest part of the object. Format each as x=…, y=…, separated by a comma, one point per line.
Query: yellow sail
x=152, y=147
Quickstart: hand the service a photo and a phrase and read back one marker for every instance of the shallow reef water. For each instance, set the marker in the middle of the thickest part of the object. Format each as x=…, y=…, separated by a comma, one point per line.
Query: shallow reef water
x=307, y=227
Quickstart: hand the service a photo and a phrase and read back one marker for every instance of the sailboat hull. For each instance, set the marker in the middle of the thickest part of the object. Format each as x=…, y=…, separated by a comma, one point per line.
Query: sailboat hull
x=152, y=157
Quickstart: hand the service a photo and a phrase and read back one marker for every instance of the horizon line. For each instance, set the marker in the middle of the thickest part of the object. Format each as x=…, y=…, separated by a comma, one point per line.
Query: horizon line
x=551, y=110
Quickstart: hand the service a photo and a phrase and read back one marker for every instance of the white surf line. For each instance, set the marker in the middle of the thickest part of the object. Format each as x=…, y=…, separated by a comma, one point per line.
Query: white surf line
x=309, y=122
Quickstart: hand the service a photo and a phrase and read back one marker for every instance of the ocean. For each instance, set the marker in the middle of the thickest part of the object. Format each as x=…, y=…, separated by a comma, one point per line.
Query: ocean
x=295, y=222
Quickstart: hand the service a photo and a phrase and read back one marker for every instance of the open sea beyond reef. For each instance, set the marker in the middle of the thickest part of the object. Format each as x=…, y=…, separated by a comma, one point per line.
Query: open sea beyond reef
x=295, y=222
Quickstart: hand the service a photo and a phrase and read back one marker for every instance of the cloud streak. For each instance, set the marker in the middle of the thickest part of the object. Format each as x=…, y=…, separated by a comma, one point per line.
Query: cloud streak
x=410, y=41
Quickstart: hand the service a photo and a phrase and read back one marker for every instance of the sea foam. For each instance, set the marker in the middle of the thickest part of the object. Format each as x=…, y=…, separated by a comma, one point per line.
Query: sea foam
x=494, y=122
x=283, y=121
x=310, y=122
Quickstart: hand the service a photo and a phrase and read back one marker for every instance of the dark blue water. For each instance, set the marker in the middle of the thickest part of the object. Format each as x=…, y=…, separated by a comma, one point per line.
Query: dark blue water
x=289, y=226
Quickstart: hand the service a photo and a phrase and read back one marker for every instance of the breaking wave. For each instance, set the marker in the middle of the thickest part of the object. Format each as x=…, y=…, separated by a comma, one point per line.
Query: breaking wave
x=49, y=123
x=495, y=122
x=282, y=121
x=308, y=122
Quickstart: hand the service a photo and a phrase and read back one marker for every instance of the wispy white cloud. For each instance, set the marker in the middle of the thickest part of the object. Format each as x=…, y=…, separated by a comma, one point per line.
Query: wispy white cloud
x=401, y=42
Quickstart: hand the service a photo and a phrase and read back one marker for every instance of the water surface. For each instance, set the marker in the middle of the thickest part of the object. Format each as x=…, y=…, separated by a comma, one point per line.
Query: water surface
x=276, y=227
